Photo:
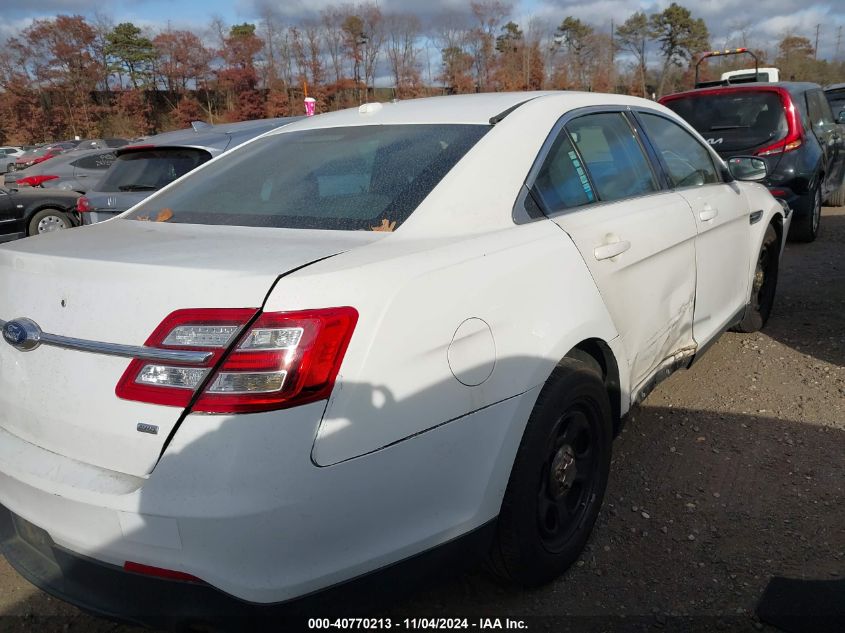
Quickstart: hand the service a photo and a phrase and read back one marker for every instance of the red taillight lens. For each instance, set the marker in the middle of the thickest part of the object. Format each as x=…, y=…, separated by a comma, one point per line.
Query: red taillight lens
x=35, y=181
x=83, y=205
x=283, y=359
x=174, y=384
x=159, y=572
x=794, y=135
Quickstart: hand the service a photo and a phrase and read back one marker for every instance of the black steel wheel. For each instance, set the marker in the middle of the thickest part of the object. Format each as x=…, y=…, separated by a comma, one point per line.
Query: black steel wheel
x=558, y=478
x=763, y=284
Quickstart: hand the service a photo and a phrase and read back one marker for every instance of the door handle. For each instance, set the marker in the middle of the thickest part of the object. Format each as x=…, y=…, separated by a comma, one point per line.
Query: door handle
x=707, y=213
x=611, y=248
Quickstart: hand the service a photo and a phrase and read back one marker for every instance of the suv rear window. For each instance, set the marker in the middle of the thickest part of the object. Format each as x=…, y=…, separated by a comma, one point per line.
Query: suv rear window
x=344, y=178
x=151, y=169
x=734, y=121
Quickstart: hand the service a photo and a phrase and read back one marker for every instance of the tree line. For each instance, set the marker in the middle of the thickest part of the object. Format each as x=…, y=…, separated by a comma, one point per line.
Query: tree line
x=72, y=76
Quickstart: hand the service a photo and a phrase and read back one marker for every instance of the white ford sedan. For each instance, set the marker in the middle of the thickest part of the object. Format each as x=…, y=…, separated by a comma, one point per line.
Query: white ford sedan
x=359, y=338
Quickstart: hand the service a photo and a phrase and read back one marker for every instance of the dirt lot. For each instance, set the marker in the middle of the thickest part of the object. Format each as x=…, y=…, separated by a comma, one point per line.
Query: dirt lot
x=728, y=474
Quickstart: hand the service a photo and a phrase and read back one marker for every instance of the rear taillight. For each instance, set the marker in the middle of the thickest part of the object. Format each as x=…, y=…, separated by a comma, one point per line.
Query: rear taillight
x=83, y=205
x=281, y=359
x=794, y=135
x=35, y=181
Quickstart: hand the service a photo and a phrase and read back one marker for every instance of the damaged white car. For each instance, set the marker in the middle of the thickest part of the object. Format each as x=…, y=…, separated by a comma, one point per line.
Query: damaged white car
x=361, y=337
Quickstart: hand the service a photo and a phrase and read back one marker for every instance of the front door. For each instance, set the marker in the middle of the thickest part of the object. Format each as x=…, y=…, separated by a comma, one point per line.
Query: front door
x=722, y=221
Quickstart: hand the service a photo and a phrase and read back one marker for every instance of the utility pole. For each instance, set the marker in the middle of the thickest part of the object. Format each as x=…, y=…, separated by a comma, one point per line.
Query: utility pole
x=838, y=43
x=612, y=59
x=816, y=49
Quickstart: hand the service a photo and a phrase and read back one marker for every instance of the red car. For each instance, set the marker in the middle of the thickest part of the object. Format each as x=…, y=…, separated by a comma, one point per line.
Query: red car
x=40, y=154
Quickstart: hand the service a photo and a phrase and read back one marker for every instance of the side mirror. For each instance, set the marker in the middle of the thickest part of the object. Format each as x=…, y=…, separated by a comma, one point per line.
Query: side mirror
x=840, y=118
x=748, y=168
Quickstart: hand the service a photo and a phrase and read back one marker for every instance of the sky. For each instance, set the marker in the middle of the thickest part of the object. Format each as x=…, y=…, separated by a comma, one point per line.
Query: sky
x=725, y=18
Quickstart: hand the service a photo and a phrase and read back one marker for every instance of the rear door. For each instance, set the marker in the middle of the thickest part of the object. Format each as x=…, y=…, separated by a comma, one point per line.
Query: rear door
x=638, y=241
x=828, y=133
x=722, y=220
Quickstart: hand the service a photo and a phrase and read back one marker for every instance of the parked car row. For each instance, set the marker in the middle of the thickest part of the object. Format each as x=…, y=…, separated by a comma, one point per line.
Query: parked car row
x=359, y=338
x=46, y=151
x=113, y=179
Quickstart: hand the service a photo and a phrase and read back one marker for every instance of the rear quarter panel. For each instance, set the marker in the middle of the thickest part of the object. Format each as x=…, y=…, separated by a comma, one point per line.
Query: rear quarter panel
x=526, y=290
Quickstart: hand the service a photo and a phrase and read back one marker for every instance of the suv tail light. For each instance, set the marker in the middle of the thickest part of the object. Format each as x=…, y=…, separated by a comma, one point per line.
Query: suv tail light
x=259, y=361
x=35, y=181
x=794, y=135
x=83, y=204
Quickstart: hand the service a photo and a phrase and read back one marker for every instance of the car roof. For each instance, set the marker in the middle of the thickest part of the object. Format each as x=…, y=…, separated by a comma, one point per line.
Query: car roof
x=203, y=135
x=469, y=109
x=794, y=87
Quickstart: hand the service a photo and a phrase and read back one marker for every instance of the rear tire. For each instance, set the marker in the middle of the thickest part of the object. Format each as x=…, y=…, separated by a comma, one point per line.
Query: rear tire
x=558, y=478
x=807, y=228
x=47, y=221
x=764, y=284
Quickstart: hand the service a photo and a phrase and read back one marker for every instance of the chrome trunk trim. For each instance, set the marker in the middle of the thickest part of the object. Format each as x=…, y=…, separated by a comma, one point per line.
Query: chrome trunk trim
x=25, y=335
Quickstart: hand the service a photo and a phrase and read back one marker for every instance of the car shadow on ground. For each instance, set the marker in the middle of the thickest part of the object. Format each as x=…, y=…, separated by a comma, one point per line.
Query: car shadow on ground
x=809, y=310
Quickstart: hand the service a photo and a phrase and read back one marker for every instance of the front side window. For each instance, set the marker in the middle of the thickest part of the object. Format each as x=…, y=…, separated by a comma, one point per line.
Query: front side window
x=345, y=178
x=687, y=161
x=613, y=156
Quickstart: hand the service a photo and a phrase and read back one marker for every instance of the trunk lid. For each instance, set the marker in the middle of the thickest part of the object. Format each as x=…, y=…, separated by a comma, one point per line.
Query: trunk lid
x=115, y=282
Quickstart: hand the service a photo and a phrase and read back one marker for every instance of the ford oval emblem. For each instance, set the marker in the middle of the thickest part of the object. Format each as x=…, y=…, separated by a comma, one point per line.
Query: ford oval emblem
x=22, y=334
x=14, y=333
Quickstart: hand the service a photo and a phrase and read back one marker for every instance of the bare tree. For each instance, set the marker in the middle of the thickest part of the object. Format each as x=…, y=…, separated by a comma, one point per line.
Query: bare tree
x=402, y=32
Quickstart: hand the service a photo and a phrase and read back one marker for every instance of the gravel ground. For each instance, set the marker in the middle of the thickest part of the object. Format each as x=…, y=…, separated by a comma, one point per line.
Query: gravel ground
x=728, y=474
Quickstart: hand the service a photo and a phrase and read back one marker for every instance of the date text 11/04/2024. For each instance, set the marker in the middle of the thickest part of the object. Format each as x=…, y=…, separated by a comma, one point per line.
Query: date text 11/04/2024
x=409, y=624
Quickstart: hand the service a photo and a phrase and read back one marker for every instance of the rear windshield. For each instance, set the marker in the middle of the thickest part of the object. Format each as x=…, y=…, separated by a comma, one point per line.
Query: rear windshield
x=151, y=169
x=347, y=178
x=734, y=121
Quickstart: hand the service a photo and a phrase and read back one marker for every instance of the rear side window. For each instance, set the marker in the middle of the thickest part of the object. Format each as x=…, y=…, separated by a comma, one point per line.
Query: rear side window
x=95, y=161
x=836, y=99
x=821, y=118
x=562, y=181
x=734, y=121
x=613, y=156
x=345, y=178
x=151, y=169
x=687, y=161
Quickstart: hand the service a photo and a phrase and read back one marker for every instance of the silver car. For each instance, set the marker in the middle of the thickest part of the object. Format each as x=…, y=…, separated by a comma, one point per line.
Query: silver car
x=76, y=170
x=8, y=155
x=139, y=170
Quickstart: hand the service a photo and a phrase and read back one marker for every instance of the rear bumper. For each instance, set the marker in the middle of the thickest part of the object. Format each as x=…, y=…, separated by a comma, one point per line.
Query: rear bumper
x=96, y=587
x=111, y=592
x=237, y=502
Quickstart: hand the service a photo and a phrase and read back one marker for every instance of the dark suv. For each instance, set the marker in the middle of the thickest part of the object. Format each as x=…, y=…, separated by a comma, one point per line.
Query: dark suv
x=789, y=125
